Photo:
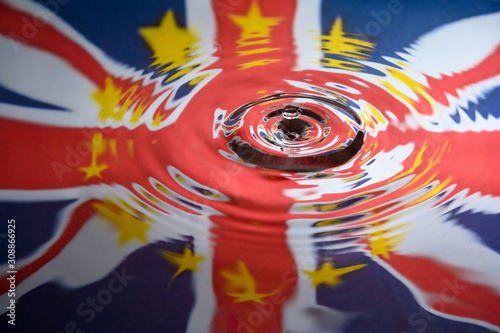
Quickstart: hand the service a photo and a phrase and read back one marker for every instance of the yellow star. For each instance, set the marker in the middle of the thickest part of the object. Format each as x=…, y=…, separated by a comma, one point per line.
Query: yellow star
x=170, y=43
x=339, y=43
x=129, y=226
x=248, y=296
x=93, y=170
x=98, y=147
x=253, y=24
x=115, y=102
x=381, y=244
x=329, y=275
x=241, y=279
x=108, y=99
x=185, y=261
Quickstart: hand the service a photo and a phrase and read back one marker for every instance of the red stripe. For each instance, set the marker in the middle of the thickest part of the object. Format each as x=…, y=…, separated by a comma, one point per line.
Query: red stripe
x=449, y=85
x=243, y=234
x=450, y=294
x=281, y=38
x=56, y=153
x=21, y=26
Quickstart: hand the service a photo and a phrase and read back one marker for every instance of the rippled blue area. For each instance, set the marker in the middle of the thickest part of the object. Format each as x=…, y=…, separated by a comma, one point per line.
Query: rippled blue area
x=112, y=25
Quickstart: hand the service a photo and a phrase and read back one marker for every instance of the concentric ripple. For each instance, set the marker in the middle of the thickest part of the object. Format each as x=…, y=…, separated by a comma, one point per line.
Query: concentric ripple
x=295, y=132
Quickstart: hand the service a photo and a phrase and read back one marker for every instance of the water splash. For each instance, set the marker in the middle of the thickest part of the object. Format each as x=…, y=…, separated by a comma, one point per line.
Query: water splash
x=294, y=132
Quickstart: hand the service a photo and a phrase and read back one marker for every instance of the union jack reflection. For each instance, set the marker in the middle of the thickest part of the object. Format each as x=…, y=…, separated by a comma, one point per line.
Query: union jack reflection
x=135, y=213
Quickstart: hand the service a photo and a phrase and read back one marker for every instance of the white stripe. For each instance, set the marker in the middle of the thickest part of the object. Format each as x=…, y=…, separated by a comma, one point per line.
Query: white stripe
x=46, y=78
x=431, y=234
x=297, y=311
x=295, y=318
x=83, y=192
x=205, y=305
x=440, y=52
x=476, y=203
x=47, y=116
x=75, y=265
x=306, y=29
x=201, y=18
x=422, y=298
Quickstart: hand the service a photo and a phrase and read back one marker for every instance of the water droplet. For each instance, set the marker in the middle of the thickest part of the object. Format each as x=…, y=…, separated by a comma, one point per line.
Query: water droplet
x=291, y=112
